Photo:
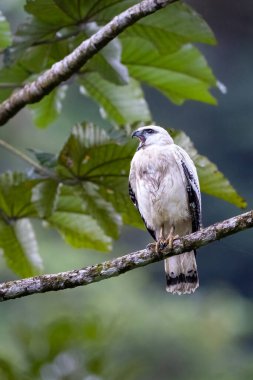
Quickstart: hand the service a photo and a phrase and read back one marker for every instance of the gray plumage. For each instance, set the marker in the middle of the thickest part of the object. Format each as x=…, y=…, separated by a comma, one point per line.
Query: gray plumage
x=164, y=186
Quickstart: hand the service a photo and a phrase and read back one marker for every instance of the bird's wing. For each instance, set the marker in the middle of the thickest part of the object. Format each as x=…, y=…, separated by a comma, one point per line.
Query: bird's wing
x=189, y=172
x=132, y=192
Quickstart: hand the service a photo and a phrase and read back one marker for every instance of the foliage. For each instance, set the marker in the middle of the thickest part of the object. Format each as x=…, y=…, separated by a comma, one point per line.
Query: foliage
x=157, y=51
x=212, y=181
x=127, y=328
x=5, y=33
x=85, y=196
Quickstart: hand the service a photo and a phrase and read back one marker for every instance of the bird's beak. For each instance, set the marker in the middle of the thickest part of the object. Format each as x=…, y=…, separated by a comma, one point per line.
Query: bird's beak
x=137, y=134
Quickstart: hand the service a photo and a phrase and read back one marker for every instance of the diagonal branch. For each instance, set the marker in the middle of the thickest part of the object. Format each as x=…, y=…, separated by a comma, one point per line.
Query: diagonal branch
x=64, y=69
x=108, y=269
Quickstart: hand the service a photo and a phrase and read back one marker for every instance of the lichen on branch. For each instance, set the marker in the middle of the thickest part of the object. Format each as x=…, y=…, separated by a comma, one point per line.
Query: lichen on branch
x=113, y=268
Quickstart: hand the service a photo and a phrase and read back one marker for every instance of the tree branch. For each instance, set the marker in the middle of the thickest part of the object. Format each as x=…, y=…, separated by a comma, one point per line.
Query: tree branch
x=108, y=269
x=64, y=69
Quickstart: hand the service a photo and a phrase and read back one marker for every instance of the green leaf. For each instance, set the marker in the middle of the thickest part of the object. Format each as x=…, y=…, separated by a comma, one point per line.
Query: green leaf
x=90, y=155
x=212, y=181
x=118, y=196
x=10, y=79
x=104, y=160
x=48, y=109
x=27, y=43
x=16, y=195
x=74, y=153
x=44, y=197
x=89, y=10
x=19, y=245
x=5, y=32
x=47, y=12
x=77, y=227
x=172, y=27
x=74, y=9
x=181, y=75
x=104, y=11
x=34, y=59
x=100, y=209
x=37, y=46
x=122, y=104
x=17, y=238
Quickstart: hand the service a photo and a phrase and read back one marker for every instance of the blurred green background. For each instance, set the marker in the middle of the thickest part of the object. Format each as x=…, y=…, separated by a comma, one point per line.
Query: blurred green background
x=128, y=327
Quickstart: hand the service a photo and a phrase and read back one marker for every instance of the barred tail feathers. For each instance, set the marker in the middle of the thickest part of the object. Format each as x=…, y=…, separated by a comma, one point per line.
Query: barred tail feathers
x=181, y=273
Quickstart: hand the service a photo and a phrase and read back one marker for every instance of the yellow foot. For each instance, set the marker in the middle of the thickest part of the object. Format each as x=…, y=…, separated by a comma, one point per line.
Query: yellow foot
x=169, y=241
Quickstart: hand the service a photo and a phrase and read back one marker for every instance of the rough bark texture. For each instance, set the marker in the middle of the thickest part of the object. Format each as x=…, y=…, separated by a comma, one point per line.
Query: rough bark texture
x=64, y=69
x=108, y=269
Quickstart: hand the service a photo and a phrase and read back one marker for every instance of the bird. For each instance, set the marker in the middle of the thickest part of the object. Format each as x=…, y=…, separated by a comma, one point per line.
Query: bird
x=164, y=187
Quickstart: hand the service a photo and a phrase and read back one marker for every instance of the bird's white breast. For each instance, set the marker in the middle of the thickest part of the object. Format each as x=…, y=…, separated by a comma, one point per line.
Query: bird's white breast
x=160, y=187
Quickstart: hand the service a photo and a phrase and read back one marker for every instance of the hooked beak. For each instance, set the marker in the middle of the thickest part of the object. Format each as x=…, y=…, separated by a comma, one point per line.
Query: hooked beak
x=140, y=136
x=137, y=134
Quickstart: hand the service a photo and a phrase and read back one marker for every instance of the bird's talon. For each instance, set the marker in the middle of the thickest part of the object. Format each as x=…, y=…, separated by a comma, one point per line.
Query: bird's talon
x=160, y=245
x=170, y=240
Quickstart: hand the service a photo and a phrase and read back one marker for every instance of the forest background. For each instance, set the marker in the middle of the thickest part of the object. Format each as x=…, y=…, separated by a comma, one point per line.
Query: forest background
x=129, y=327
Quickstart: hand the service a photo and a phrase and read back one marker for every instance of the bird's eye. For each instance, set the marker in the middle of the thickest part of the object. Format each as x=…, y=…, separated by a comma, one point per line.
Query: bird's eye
x=150, y=130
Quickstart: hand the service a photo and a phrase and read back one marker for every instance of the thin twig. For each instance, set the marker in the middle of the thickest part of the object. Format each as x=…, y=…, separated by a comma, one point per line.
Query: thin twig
x=40, y=169
x=108, y=269
x=64, y=69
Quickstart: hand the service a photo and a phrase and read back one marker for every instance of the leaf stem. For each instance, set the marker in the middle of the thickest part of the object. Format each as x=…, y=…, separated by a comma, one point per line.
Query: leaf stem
x=24, y=157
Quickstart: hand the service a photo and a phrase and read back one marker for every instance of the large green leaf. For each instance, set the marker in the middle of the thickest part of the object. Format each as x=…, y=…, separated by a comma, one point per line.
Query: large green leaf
x=48, y=12
x=37, y=46
x=104, y=213
x=121, y=104
x=17, y=238
x=212, y=181
x=89, y=155
x=74, y=153
x=104, y=11
x=45, y=196
x=29, y=34
x=72, y=219
x=48, y=109
x=105, y=159
x=16, y=195
x=118, y=196
x=172, y=27
x=89, y=10
x=19, y=246
x=5, y=32
x=33, y=31
x=181, y=75
x=74, y=9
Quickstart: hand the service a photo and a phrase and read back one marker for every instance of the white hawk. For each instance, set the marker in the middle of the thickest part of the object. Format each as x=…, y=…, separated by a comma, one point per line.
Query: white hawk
x=164, y=186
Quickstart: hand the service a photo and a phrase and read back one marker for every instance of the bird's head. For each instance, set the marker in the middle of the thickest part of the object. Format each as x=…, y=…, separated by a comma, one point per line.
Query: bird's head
x=152, y=134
